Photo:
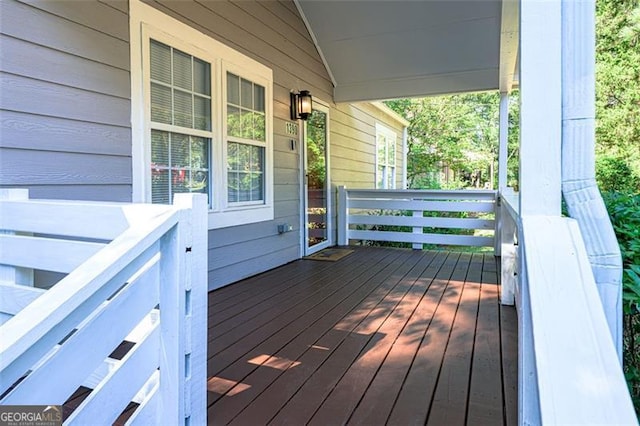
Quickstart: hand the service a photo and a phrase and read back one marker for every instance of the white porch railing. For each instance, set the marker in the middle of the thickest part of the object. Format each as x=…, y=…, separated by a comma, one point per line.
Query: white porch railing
x=569, y=371
x=362, y=211
x=134, y=273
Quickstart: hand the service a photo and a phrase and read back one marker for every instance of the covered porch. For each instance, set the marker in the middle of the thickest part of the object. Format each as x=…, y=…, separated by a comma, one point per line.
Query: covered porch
x=380, y=336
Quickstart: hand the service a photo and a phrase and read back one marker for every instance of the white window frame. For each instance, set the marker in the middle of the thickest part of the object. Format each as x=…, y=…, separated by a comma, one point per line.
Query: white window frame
x=391, y=138
x=147, y=22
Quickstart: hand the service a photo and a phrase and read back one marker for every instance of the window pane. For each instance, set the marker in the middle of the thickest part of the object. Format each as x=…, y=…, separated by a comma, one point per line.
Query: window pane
x=233, y=89
x=160, y=62
x=246, y=120
x=244, y=190
x=256, y=186
x=246, y=94
x=391, y=151
x=259, y=127
x=202, y=113
x=183, y=109
x=160, y=104
x=160, y=186
x=182, y=74
x=232, y=184
x=258, y=98
x=159, y=148
x=380, y=177
x=201, y=77
x=382, y=154
x=179, y=150
x=257, y=160
x=180, y=163
x=234, y=127
x=199, y=154
x=245, y=177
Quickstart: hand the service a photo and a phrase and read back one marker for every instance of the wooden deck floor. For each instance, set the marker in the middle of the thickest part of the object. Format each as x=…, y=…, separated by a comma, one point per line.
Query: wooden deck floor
x=383, y=336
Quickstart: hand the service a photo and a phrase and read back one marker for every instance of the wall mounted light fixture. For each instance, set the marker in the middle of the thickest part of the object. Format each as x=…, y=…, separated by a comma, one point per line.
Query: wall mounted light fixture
x=301, y=105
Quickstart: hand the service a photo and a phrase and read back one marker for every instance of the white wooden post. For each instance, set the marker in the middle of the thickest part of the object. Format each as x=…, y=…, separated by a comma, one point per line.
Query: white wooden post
x=502, y=168
x=172, y=319
x=504, y=141
x=14, y=274
x=540, y=157
x=417, y=229
x=343, y=216
x=540, y=107
x=195, y=333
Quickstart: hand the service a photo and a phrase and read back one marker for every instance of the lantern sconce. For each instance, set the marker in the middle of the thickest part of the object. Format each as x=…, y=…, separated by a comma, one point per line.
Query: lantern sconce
x=301, y=105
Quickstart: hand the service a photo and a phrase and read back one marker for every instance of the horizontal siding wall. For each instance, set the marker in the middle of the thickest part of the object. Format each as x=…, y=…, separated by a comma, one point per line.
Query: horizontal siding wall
x=272, y=33
x=353, y=144
x=353, y=147
x=65, y=105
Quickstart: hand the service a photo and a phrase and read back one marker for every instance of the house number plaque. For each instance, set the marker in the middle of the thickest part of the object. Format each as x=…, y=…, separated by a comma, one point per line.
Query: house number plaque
x=292, y=128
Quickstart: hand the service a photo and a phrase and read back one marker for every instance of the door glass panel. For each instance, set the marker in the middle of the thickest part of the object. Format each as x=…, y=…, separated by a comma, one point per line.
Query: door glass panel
x=316, y=155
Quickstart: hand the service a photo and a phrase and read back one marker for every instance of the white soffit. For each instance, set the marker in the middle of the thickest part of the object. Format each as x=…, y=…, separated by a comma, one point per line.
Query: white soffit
x=391, y=49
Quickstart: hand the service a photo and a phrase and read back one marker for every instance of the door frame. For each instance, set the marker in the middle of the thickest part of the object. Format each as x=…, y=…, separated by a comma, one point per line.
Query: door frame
x=304, y=248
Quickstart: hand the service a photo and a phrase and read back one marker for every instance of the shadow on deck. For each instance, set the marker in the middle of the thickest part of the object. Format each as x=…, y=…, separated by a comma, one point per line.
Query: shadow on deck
x=383, y=336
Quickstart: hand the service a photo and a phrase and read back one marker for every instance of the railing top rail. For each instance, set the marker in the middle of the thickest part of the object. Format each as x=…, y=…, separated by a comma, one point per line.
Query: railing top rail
x=511, y=201
x=44, y=313
x=462, y=194
x=75, y=218
x=580, y=380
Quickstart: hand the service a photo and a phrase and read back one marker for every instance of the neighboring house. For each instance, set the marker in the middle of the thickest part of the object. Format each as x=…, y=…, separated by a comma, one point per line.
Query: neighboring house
x=125, y=101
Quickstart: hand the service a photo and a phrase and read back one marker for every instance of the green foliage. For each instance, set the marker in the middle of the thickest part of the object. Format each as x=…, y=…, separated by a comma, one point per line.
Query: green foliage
x=615, y=174
x=618, y=80
x=453, y=140
x=624, y=210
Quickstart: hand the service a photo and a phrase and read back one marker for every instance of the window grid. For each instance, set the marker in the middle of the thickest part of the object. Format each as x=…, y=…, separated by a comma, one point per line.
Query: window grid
x=246, y=140
x=167, y=177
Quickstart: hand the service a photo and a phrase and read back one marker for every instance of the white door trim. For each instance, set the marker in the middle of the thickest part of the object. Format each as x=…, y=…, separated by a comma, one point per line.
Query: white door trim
x=305, y=250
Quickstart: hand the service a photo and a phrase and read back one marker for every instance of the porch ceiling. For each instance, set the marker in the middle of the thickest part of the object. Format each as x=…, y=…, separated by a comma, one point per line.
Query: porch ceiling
x=391, y=49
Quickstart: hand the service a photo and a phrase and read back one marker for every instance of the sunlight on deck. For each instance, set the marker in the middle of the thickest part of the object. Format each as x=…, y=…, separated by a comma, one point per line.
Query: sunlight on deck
x=224, y=386
x=274, y=362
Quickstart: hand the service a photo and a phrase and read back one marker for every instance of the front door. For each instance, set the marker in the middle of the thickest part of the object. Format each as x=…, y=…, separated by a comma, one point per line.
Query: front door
x=317, y=189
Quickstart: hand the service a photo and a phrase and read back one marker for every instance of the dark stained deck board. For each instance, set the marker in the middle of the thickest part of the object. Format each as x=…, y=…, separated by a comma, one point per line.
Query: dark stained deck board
x=364, y=337
x=264, y=310
x=290, y=322
x=485, y=390
x=256, y=293
x=509, y=344
x=414, y=400
x=449, y=403
x=383, y=336
x=340, y=405
x=269, y=403
x=326, y=322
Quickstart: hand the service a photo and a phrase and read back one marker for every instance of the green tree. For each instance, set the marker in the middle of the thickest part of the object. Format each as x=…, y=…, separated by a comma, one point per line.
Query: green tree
x=458, y=132
x=618, y=80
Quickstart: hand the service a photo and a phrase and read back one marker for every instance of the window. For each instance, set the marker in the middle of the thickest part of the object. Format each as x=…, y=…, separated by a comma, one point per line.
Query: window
x=246, y=135
x=180, y=87
x=201, y=119
x=385, y=157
